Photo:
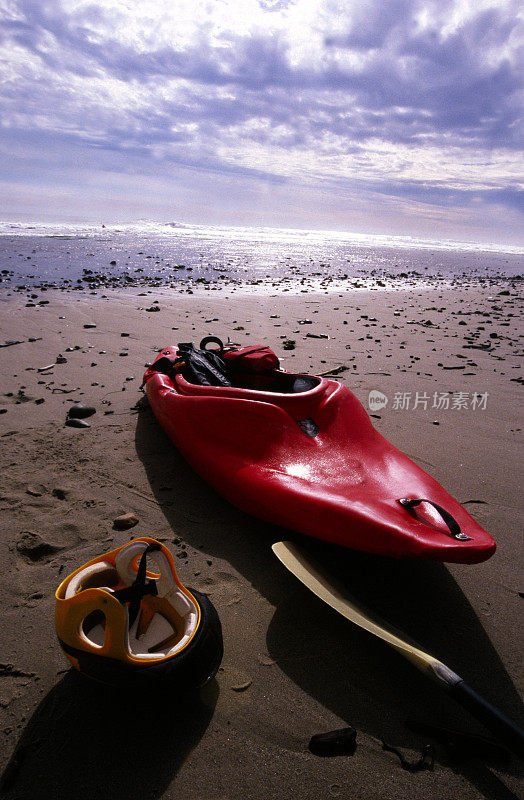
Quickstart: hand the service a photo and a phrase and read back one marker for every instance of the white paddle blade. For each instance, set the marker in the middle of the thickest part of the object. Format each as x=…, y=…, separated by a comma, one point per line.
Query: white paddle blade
x=310, y=574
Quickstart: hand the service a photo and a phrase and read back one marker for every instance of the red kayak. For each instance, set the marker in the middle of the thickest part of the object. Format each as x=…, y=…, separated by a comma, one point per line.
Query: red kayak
x=301, y=452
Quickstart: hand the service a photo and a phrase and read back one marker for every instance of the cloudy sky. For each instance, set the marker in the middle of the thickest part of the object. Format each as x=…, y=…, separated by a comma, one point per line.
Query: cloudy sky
x=387, y=116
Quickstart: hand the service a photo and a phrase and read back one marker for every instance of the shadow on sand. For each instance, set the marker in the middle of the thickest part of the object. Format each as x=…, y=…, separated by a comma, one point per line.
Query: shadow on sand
x=353, y=674
x=87, y=740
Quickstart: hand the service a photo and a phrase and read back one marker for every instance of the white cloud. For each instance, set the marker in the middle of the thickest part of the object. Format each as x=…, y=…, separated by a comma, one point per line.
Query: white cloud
x=414, y=95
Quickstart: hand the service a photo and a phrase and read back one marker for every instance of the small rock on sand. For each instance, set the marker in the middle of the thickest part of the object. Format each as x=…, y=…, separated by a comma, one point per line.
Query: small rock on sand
x=241, y=687
x=125, y=521
x=80, y=411
x=73, y=422
x=34, y=491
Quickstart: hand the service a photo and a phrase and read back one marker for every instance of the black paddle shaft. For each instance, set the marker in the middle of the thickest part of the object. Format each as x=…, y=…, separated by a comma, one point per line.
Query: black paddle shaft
x=503, y=728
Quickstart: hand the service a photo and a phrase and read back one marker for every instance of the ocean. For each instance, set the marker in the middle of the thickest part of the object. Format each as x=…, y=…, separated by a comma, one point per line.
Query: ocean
x=180, y=255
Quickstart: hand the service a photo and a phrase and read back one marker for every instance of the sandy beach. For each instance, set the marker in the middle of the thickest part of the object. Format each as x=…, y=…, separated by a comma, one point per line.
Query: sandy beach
x=291, y=666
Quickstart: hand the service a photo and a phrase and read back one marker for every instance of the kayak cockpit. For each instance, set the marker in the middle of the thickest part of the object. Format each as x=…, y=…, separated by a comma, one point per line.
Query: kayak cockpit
x=256, y=368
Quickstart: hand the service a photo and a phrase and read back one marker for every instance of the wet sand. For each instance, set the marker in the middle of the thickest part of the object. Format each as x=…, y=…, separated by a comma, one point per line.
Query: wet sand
x=292, y=667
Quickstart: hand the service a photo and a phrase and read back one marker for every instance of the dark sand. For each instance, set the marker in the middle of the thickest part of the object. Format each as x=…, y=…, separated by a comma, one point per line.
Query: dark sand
x=291, y=667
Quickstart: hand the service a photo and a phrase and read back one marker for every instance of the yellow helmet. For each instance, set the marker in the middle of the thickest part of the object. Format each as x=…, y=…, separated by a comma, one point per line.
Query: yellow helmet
x=121, y=622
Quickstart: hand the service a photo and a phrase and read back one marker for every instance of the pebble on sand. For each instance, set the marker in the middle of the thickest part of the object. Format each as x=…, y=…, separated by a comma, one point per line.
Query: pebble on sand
x=80, y=411
x=241, y=687
x=125, y=521
x=73, y=422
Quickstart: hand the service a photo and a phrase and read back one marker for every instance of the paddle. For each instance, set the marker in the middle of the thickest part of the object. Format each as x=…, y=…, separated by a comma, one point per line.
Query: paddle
x=311, y=575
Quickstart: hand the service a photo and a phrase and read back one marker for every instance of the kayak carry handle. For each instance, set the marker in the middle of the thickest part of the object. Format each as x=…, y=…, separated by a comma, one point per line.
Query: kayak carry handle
x=451, y=522
x=212, y=340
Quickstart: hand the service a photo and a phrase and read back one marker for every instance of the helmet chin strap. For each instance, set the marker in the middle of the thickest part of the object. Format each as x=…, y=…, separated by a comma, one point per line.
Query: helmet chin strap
x=140, y=587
